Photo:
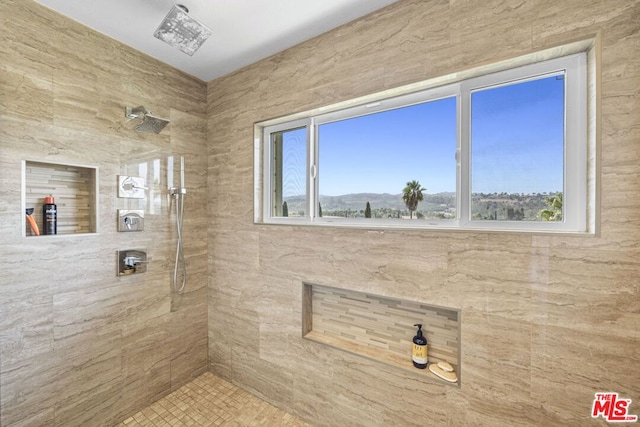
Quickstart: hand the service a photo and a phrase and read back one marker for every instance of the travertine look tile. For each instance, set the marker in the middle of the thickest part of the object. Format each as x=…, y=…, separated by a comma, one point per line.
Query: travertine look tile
x=521, y=296
x=79, y=345
x=89, y=381
x=474, y=30
x=29, y=390
x=546, y=320
x=586, y=362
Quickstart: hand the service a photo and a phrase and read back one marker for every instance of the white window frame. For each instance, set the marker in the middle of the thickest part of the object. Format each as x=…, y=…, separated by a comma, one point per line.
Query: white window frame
x=435, y=94
x=268, y=171
x=575, y=138
x=575, y=191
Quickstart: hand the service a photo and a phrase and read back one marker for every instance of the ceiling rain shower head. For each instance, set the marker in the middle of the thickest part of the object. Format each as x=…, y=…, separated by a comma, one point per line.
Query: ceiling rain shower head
x=180, y=30
x=149, y=123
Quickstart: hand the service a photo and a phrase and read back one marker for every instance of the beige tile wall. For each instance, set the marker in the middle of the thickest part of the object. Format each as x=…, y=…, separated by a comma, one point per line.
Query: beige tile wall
x=547, y=321
x=78, y=345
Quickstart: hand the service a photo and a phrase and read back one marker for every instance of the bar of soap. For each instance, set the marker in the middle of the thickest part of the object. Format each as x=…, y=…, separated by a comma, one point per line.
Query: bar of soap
x=445, y=366
x=447, y=376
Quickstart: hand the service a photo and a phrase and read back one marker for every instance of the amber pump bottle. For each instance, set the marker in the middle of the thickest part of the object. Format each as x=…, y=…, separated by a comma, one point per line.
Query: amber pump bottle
x=50, y=216
x=419, y=351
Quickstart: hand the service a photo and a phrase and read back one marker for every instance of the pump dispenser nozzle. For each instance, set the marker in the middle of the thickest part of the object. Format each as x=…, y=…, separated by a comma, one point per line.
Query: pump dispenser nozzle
x=419, y=325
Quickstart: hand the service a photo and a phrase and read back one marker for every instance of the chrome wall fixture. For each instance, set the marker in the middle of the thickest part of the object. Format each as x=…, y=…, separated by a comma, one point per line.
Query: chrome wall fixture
x=131, y=261
x=177, y=195
x=130, y=220
x=148, y=122
x=131, y=187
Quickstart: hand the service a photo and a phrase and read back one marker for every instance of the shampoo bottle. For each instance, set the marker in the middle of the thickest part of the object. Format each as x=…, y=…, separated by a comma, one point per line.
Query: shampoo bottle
x=50, y=215
x=419, y=353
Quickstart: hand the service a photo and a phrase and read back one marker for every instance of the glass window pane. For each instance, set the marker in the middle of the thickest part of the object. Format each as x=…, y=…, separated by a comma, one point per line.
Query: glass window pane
x=365, y=163
x=289, y=185
x=517, y=151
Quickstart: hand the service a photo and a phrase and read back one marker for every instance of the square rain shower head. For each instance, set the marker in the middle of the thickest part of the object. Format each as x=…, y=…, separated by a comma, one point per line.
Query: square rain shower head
x=180, y=30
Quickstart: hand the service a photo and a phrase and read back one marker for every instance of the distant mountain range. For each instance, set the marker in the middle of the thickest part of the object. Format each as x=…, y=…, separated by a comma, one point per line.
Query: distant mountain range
x=359, y=201
x=485, y=206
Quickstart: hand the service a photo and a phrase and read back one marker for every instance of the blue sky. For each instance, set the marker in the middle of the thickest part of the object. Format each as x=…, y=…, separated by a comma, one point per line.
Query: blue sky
x=517, y=135
x=380, y=152
x=517, y=145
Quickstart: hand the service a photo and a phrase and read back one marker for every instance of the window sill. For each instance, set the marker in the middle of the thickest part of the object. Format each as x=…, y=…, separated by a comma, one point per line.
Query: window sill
x=381, y=226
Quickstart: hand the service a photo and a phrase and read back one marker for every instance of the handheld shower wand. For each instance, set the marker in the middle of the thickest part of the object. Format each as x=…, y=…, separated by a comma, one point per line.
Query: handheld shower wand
x=177, y=196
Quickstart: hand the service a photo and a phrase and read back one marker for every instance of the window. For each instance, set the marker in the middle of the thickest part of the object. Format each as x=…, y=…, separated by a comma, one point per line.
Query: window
x=288, y=184
x=506, y=150
x=366, y=160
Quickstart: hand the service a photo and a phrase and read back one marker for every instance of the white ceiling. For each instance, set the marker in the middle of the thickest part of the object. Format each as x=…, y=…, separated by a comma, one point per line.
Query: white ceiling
x=244, y=31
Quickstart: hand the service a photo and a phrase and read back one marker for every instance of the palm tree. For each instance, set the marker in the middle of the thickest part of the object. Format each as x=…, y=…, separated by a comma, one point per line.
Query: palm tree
x=554, y=211
x=412, y=195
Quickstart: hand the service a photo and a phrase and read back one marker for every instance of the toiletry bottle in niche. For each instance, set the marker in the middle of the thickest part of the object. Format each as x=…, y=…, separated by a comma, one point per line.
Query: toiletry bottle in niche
x=50, y=215
x=419, y=351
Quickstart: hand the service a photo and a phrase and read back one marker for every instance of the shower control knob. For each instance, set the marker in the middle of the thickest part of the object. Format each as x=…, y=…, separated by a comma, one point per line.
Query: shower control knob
x=130, y=220
x=131, y=187
x=132, y=261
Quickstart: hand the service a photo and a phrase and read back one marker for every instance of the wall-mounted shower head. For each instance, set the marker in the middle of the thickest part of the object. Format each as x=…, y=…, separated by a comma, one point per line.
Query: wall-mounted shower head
x=149, y=123
x=181, y=31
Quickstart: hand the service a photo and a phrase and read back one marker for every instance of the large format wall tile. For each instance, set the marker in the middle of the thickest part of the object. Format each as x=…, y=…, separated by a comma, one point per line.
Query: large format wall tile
x=80, y=346
x=546, y=320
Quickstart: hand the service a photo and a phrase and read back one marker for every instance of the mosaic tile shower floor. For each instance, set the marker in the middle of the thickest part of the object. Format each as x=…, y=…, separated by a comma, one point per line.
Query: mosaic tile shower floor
x=211, y=401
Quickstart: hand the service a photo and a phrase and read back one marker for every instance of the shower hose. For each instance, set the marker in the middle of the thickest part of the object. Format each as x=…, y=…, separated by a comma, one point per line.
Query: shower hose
x=179, y=263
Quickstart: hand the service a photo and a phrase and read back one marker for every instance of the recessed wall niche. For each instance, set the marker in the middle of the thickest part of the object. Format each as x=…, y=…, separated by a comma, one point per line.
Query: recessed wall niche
x=74, y=189
x=380, y=327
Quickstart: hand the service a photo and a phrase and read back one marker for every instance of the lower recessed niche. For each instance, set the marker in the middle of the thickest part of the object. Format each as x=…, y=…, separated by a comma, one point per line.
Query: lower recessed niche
x=380, y=327
x=74, y=189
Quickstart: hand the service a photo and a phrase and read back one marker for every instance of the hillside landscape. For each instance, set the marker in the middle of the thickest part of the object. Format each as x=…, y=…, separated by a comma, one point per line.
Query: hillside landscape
x=485, y=206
